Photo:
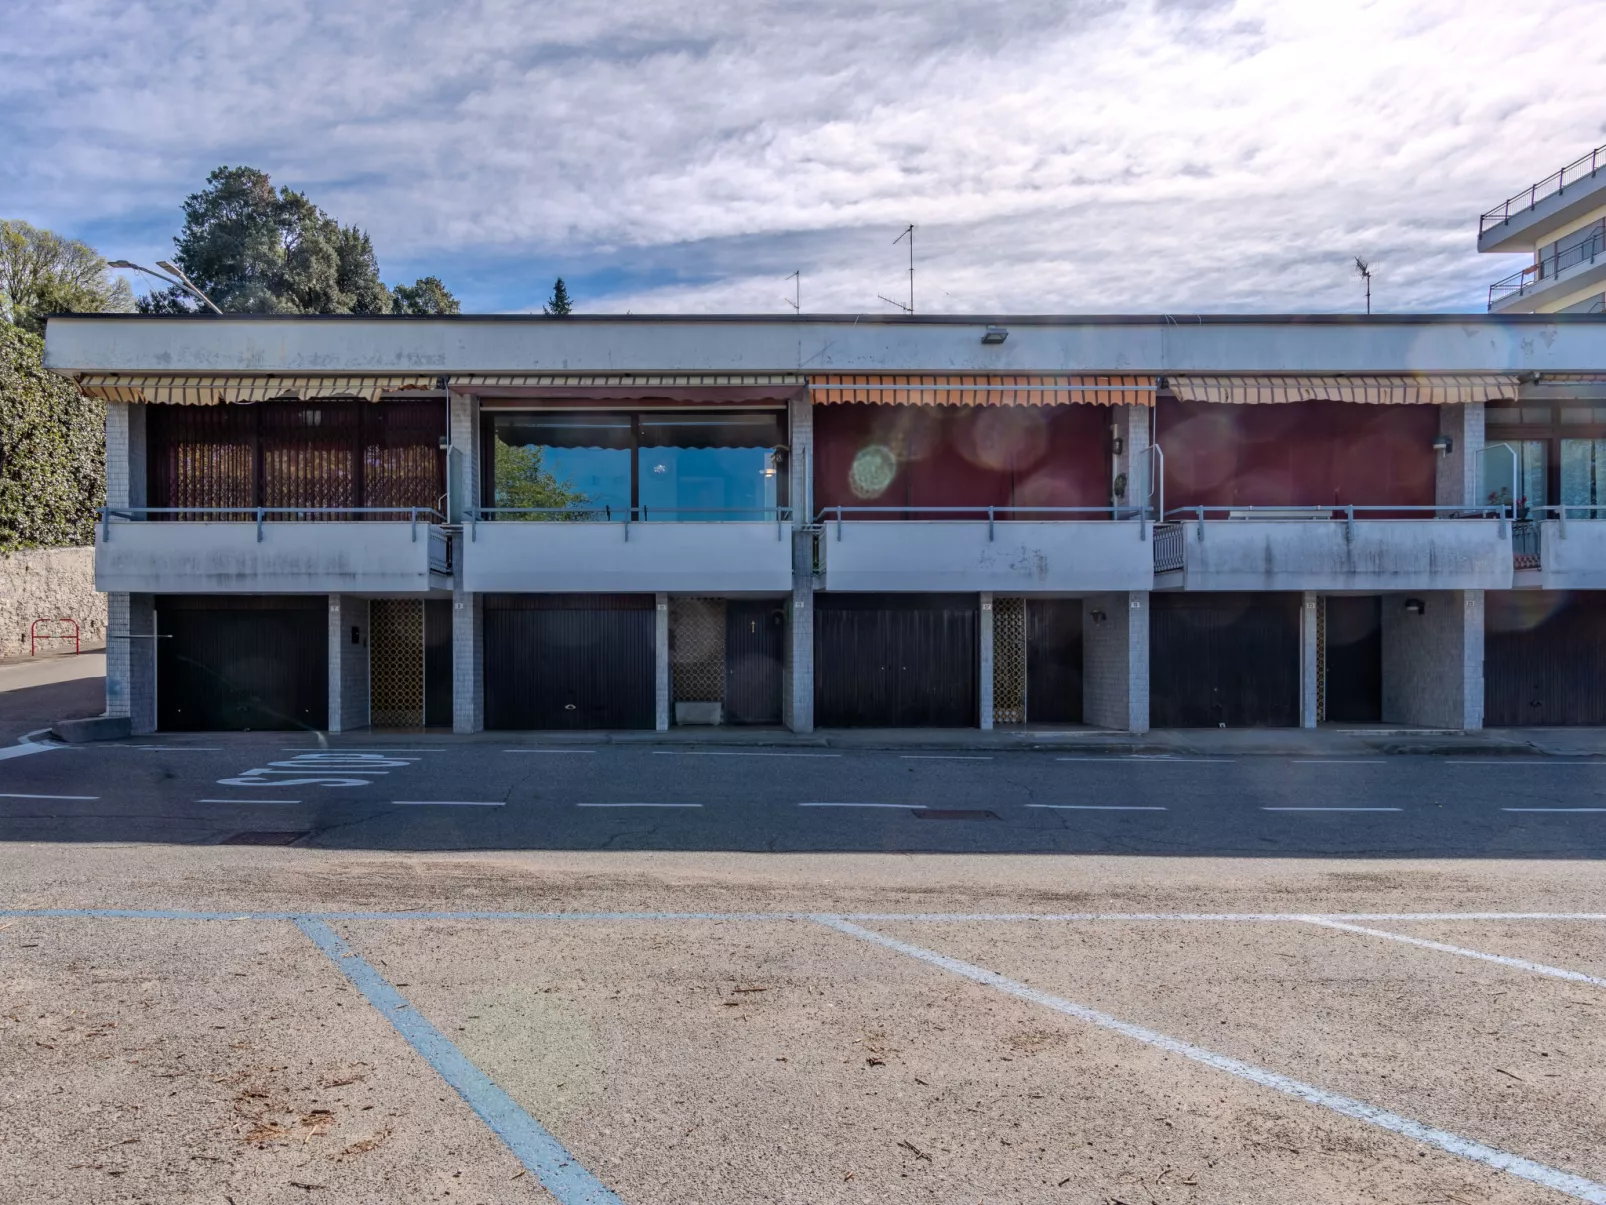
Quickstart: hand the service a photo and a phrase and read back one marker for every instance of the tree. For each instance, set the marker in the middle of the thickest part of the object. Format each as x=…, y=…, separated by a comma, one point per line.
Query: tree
x=428, y=296
x=52, y=450
x=523, y=481
x=42, y=273
x=558, y=305
x=257, y=250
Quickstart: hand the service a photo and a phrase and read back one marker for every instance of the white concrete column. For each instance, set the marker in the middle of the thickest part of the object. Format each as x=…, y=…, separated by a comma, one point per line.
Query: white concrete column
x=660, y=657
x=1115, y=660
x=1309, y=661
x=463, y=458
x=1433, y=659
x=1129, y=468
x=348, y=663
x=984, y=673
x=131, y=659
x=800, y=465
x=797, y=676
x=468, y=660
x=1456, y=481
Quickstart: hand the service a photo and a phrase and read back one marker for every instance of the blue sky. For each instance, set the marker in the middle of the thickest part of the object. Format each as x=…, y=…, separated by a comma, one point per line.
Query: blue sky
x=1075, y=156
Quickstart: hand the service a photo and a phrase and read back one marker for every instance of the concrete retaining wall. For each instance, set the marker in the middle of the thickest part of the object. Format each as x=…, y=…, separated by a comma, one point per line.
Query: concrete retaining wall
x=49, y=583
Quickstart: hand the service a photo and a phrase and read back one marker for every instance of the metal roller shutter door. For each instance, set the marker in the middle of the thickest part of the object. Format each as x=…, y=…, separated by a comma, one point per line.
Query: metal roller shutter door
x=1544, y=658
x=242, y=664
x=1224, y=659
x=569, y=661
x=895, y=661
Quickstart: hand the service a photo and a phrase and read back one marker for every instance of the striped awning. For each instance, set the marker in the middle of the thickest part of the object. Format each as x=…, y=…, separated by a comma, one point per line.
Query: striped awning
x=1433, y=389
x=477, y=382
x=192, y=390
x=981, y=389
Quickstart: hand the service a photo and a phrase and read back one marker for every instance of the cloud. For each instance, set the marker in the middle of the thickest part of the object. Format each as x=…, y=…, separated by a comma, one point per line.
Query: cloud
x=1091, y=155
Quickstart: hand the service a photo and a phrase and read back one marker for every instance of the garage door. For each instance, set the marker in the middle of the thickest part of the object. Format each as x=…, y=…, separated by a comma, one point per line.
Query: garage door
x=895, y=660
x=1053, y=661
x=1224, y=659
x=241, y=664
x=1544, y=658
x=569, y=661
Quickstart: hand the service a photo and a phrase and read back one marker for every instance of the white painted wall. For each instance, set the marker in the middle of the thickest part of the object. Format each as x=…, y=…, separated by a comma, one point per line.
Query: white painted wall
x=1021, y=558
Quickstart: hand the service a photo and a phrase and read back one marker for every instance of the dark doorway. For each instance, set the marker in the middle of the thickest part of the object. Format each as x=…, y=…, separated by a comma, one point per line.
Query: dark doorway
x=1544, y=657
x=1224, y=660
x=438, y=662
x=755, y=630
x=569, y=661
x=1354, y=671
x=895, y=660
x=1054, y=661
x=241, y=664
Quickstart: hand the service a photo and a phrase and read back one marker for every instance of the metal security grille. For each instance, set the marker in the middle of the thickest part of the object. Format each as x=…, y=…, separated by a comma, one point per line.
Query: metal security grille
x=396, y=663
x=1321, y=660
x=1009, y=660
x=697, y=649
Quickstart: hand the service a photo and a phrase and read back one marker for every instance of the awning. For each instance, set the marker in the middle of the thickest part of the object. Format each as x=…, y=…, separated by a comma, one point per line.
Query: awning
x=215, y=390
x=709, y=387
x=981, y=389
x=1437, y=389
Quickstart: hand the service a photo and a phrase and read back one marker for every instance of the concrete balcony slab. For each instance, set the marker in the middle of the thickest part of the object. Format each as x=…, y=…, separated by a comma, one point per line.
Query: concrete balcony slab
x=1572, y=556
x=273, y=558
x=1073, y=557
x=514, y=557
x=1330, y=555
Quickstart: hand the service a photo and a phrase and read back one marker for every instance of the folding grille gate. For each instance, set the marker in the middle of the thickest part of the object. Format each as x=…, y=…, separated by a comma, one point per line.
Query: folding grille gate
x=409, y=662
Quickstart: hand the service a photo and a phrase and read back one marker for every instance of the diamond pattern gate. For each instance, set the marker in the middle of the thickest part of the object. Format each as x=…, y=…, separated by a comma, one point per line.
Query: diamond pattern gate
x=1009, y=661
x=697, y=650
x=396, y=663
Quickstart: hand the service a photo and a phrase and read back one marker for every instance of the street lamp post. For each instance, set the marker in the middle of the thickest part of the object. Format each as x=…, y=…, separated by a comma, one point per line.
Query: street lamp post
x=177, y=280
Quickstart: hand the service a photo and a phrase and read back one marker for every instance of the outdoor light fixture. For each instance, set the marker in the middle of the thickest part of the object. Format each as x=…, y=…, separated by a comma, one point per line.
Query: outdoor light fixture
x=1099, y=617
x=1117, y=444
x=1442, y=444
x=995, y=334
x=1415, y=606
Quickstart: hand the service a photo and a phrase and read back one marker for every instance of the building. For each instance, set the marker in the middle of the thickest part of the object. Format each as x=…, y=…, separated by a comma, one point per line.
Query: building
x=634, y=522
x=1561, y=221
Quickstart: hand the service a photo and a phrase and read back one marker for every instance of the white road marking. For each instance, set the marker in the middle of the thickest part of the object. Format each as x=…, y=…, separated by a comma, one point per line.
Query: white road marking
x=447, y=803
x=172, y=748
x=1332, y=809
x=11, y=751
x=1094, y=807
x=1520, y=964
x=638, y=805
x=248, y=801
x=339, y=749
x=1512, y=761
x=548, y=750
x=941, y=757
x=734, y=753
x=1553, y=809
x=1339, y=761
x=1527, y=1169
x=903, y=806
x=14, y=795
x=1164, y=758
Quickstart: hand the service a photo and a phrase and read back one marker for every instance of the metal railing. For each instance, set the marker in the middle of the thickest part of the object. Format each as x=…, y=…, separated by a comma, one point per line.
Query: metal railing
x=1584, y=167
x=1169, y=545
x=993, y=514
x=625, y=515
x=1547, y=267
x=1525, y=544
x=261, y=515
x=1345, y=512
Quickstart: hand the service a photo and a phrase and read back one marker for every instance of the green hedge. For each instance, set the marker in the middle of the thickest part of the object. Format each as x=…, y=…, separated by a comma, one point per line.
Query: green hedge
x=52, y=451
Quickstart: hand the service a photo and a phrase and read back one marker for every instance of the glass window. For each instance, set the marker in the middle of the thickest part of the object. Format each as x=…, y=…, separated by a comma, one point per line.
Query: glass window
x=1498, y=487
x=1583, y=476
x=709, y=467
x=552, y=462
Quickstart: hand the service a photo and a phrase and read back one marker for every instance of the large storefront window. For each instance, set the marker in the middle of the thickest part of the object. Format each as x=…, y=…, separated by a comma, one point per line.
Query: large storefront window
x=685, y=467
x=1560, y=456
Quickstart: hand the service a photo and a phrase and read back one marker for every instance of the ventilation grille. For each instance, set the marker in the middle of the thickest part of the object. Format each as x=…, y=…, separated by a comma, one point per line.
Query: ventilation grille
x=697, y=649
x=1009, y=661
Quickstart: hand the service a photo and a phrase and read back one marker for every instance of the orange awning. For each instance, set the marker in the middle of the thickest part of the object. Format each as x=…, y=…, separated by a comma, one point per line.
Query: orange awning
x=980, y=389
x=1433, y=389
x=199, y=390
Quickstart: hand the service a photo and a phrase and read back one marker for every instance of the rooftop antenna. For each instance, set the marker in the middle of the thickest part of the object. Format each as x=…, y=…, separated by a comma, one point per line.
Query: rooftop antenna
x=909, y=233
x=797, y=288
x=1364, y=271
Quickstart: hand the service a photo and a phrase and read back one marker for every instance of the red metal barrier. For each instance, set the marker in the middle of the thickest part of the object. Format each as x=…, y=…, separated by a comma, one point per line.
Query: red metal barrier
x=34, y=634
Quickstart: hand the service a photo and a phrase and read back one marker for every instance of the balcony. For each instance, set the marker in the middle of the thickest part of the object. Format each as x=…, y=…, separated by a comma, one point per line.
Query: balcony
x=563, y=550
x=1524, y=221
x=235, y=550
x=1561, y=548
x=1579, y=266
x=1007, y=550
x=1333, y=549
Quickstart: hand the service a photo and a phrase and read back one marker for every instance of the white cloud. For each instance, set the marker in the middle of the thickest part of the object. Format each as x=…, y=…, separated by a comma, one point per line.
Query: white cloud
x=1055, y=156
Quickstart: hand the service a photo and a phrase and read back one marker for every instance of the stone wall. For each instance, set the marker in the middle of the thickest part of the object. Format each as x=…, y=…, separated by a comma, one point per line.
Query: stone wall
x=49, y=583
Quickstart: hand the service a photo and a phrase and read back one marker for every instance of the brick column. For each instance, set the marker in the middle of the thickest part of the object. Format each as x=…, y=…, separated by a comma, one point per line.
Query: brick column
x=797, y=671
x=1433, y=661
x=1309, y=661
x=1115, y=660
x=1129, y=468
x=660, y=662
x=984, y=673
x=463, y=458
x=1456, y=481
x=348, y=663
x=131, y=659
x=468, y=660
x=125, y=454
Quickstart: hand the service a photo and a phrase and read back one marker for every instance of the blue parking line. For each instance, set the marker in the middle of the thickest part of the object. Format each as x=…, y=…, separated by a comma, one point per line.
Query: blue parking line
x=542, y=1154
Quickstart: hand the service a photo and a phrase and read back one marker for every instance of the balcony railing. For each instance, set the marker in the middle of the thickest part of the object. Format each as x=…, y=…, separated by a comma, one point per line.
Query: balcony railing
x=1590, y=247
x=266, y=514
x=993, y=514
x=1581, y=168
x=626, y=515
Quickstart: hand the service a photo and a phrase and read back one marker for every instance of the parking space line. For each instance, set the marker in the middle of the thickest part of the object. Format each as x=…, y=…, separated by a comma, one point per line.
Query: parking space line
x=638, y=805
x=1163, y=758
x=1095, y=807
x=1520, y=964
x=31, y=747
x=901, y=806
x=532, y=1143
x=548, y=750
x=1572, y=1185
x=1297, y=809
x=172, y=748
x=343, y=749
x=1553, y=809
x=248, y=801
x=941, y=757
x=734, y=753
x=15, y=795
x=1339, y=761
x=1512, y=761
x=447, y=803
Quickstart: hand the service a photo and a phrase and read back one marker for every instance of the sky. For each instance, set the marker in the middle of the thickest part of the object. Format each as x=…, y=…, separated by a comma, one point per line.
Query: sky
x=1078, y=156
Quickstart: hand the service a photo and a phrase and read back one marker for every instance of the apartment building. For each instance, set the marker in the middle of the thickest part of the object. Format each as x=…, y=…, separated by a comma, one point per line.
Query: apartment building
x=1561, y=222
x=637, y=522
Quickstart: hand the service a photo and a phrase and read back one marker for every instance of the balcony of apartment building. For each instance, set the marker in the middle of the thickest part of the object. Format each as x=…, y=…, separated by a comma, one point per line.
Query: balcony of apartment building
x=1278, y=490
x=284, y=496
x=1548, y=456
x=1567, y=274
x=1561, y=221
x=970, y=485
x=591, y=496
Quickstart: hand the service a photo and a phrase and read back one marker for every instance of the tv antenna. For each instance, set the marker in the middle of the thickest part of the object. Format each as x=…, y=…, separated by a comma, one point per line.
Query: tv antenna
x=1364, y=271
x=909, y=233
x=797, y=288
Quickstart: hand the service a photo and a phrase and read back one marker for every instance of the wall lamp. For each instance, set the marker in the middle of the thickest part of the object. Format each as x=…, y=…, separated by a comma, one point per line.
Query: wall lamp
x=1098, y=617
x=1415, y=606
x=1443, y=444
x=995, y=334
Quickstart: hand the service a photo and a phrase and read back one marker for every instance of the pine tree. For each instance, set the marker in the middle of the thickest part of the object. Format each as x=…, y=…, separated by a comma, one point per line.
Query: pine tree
x=558, y=305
